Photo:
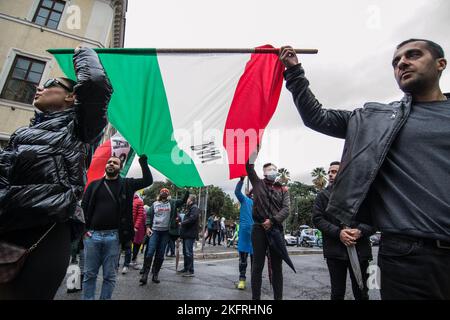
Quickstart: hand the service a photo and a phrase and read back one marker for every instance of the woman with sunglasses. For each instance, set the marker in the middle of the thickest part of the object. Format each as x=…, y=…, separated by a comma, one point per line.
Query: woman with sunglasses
x=43, y=175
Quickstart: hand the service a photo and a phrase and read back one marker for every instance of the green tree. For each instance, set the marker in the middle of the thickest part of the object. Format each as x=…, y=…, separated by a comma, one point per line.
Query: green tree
x=216, y=200
x=302, y=198
x=285, y=176
x=320, y=178
x=219, y=202
x=151, y=193
x=229, y=210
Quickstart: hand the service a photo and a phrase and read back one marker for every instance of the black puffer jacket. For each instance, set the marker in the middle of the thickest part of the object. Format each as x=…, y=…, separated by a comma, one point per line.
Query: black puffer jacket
x=333, y=248
x=43, y=168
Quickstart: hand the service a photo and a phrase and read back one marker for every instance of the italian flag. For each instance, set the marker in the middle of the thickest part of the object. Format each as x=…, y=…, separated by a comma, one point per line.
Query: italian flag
x=197, y=117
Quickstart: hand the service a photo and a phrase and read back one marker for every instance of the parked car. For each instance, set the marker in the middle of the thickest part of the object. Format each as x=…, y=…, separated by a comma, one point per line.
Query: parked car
x=309, y=238
x=375, y=239
x=298, y=231
x=290, y=240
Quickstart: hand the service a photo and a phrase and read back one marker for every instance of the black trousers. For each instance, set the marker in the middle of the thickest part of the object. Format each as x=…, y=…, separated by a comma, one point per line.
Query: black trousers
x=216, y=234
x=147, y=240
x=338, y=277
x=210, y=234
x=411, y=269
x=243, y=257
x=260, y=245
x=44, y=268
x=136, y=247
x=219, y=237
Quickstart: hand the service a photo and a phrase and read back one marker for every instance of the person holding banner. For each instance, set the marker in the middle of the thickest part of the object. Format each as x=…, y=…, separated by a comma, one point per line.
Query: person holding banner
x=245, y=231
x=161, y=225
x=108, y=204
x=43, y=175
x=270, y=209
x=394, y=170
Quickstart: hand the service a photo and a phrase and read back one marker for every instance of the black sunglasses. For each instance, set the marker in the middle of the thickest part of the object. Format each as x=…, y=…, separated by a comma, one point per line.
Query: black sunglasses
x=55, y=82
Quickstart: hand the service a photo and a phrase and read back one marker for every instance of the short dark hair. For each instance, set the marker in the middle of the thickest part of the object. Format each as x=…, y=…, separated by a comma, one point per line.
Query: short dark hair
x=335, y=163
x=114, y=156
x=70, y=82
x=436, y=50
x=268, y=164
x=193, y=198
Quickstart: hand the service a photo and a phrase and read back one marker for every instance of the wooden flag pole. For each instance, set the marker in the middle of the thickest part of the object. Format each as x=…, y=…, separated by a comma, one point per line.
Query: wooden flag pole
x=188, y=50
x=231, y=50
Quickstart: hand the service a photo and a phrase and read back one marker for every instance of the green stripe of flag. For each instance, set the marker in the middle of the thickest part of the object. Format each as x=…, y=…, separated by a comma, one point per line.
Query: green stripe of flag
x=139, y=109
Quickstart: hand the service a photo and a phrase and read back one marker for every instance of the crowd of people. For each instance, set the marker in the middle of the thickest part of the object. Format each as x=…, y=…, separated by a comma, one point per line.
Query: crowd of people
x=392, y=177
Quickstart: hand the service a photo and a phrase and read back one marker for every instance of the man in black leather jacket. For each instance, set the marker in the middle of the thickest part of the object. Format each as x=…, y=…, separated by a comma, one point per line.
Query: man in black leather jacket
x=394, y=165
x=43, y=173
x=335, y=240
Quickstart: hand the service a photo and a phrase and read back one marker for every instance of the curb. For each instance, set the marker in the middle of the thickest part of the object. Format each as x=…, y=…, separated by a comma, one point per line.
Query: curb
x=229, y=255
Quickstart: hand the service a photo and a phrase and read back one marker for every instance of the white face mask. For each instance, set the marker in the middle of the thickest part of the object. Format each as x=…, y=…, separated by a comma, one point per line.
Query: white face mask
x=271, y=175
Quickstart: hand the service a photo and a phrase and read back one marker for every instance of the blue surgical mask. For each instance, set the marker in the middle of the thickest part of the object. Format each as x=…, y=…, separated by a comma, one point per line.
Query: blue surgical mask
x=271, y=175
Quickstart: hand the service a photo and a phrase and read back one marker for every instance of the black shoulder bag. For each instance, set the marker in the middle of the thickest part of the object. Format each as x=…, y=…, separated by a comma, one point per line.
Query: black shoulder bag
x=12, y=258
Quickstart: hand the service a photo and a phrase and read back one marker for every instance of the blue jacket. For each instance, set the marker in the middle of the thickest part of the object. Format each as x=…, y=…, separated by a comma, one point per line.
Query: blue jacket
x=210, y=222
x=245, y=220
x=245, y=215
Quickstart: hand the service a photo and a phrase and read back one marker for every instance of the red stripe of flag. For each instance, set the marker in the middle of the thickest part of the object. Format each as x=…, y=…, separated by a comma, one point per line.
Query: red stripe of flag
x=100, y=158
x=254, y=103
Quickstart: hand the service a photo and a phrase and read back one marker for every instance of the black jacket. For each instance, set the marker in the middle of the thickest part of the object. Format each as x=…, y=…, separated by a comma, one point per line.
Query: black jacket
x=128, y=186
x=43, y=168
x=270, y=200
x=189, y=225
x=333, y=248
x=368, y=133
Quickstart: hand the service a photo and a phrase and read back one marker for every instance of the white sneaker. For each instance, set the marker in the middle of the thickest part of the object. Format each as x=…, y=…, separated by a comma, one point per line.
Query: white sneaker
x=124, y=270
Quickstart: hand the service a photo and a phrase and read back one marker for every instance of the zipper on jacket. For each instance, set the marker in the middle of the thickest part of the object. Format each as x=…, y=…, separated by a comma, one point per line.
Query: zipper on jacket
x=394, y=114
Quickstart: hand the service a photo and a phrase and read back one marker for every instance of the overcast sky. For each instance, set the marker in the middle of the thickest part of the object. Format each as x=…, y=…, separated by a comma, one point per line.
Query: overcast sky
x=356, y=40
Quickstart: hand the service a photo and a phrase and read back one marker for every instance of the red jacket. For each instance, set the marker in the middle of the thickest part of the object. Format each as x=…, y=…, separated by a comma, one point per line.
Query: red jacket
x=138, y=219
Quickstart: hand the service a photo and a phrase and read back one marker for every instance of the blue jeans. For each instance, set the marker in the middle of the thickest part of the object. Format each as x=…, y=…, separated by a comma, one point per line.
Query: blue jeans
x=100, y=250
x=188, y=253
x=157, y=244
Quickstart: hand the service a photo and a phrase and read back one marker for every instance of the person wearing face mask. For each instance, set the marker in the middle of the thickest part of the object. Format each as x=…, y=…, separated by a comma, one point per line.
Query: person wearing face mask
x=270, y=208
x=245, y=231
x=161, y=225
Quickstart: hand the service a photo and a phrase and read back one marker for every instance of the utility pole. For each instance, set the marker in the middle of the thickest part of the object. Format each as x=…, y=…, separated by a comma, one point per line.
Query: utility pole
x=206, y=208
x=204, y=220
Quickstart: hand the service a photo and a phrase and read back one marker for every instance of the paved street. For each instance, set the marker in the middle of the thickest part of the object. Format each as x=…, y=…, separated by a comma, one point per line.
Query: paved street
x=215, y=279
